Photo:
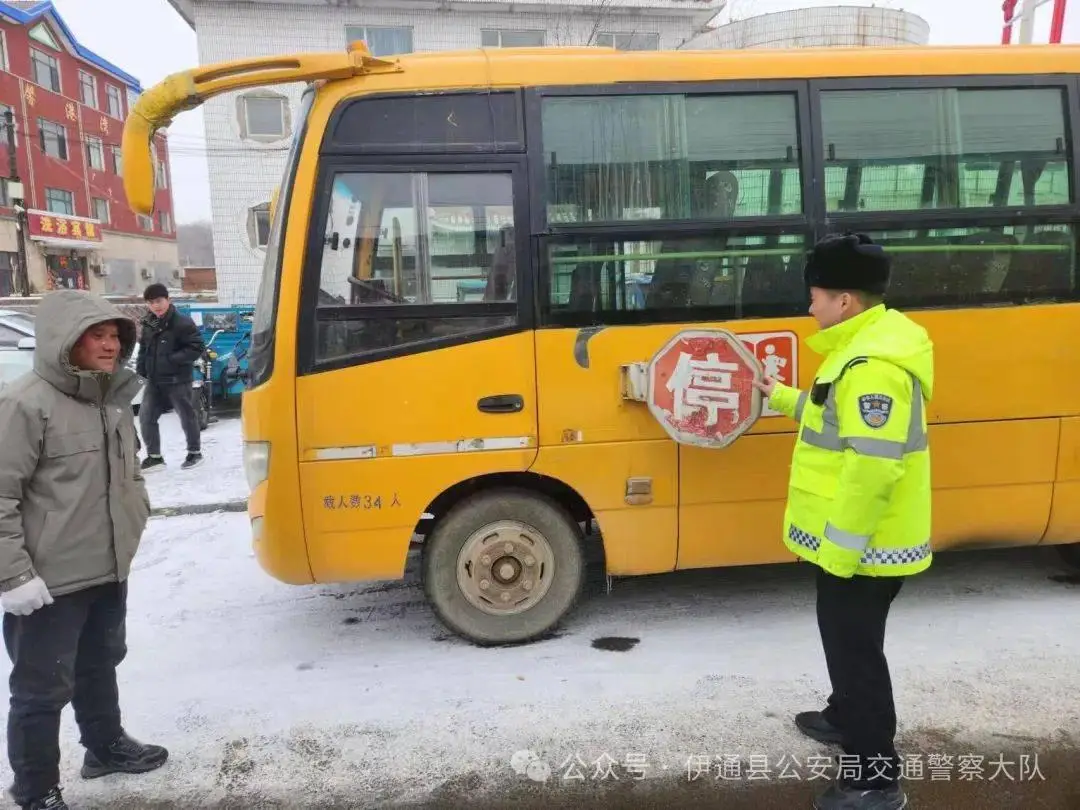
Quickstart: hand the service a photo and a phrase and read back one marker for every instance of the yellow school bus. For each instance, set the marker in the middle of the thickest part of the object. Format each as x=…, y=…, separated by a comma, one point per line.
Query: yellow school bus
x=471, y=251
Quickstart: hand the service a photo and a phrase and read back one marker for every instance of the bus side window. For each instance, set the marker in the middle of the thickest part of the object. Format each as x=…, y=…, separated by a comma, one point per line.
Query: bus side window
x=406, y=240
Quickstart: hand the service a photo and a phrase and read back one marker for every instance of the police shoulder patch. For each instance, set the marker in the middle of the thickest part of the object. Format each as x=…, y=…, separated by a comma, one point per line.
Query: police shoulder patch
x=875, y=409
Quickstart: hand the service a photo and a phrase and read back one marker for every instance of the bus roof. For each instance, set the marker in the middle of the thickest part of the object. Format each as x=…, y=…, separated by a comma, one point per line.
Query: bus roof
x=356, y=70
x=593, y=65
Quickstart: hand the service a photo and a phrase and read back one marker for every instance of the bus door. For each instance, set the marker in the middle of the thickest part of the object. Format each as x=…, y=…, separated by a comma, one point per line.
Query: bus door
x=419, y=367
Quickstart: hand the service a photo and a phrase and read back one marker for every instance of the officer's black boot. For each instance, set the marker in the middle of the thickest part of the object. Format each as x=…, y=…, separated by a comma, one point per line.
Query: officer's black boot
x=125, y=755
x=841, y=797
x=816, y=727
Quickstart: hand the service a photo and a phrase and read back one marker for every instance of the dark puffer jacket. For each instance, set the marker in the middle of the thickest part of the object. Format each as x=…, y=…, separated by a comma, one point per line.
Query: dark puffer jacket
x=168, y=348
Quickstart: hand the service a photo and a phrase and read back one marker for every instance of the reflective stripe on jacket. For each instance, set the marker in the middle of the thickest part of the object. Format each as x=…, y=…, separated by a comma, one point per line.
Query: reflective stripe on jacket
x=859, y=492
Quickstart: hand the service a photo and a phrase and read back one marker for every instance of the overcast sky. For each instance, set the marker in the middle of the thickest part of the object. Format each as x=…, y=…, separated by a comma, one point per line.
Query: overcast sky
x=171, y=47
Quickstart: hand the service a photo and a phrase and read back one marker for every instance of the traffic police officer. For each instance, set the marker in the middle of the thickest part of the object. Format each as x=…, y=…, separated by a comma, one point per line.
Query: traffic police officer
x=859, y=501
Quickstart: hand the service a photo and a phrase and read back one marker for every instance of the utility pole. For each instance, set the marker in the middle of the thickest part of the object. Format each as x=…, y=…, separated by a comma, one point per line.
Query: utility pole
x=17, y=194
x=1026, y=18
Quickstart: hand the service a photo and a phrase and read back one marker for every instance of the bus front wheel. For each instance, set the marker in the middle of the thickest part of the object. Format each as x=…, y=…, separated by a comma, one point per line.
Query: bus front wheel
x=504, y=567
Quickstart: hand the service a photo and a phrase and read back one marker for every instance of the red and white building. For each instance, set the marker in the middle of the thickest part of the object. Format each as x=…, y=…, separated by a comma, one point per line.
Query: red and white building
x=68, y=106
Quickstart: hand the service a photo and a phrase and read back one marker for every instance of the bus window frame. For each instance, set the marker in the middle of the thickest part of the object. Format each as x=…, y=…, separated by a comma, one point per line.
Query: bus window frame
x=816, y=220
x=534, y=100
x=637, y=317
x=521, y=309
x=329, y=147
x=546, y=234
x=968, y=216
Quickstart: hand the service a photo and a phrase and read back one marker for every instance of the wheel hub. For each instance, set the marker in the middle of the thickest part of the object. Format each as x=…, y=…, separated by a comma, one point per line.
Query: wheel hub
x=505, y=568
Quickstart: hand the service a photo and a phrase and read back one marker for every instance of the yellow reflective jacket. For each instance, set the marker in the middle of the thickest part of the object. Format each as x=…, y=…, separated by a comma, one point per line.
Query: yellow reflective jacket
x=859, y=492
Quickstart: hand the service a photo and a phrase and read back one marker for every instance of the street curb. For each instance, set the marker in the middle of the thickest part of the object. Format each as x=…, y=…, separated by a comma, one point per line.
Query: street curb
x=199, y=508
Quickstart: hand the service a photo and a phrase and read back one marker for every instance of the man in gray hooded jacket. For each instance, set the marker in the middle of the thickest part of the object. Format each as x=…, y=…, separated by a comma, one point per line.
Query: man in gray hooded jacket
x=73, y=506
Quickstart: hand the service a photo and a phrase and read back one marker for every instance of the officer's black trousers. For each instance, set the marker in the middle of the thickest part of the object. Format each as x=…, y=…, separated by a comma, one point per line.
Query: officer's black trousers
x=851, y=617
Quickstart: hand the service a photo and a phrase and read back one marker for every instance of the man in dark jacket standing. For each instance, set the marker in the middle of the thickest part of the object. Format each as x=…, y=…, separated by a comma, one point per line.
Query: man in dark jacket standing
x=169, y=345
x=73, y=507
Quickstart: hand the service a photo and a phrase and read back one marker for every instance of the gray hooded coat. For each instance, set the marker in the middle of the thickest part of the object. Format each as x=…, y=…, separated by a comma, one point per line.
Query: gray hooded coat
x=73, y=504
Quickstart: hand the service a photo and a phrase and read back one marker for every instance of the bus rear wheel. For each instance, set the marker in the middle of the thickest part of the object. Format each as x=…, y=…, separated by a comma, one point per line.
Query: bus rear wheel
x=504, y=567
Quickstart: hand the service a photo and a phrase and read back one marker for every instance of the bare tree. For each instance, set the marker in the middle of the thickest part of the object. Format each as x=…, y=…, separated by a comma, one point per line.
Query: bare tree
x=562, y=29
x=195, y=242
x=741, y=9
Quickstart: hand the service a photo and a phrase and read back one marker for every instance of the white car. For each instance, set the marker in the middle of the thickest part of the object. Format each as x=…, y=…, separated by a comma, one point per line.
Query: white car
x=17, y=350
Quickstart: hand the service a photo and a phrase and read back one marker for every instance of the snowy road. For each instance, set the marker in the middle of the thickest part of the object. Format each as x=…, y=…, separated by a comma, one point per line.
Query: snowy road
x=219, y=479
x=273, y=696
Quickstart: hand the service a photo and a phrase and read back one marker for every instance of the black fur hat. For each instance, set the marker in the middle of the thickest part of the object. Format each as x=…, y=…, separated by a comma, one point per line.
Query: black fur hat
x=849, y=261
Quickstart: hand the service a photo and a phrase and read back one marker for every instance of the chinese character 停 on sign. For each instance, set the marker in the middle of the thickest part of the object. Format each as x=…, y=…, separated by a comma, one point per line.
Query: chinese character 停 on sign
x=704, y=384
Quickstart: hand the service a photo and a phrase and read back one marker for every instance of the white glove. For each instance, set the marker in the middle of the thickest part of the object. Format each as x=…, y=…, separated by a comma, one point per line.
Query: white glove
x=27, y=598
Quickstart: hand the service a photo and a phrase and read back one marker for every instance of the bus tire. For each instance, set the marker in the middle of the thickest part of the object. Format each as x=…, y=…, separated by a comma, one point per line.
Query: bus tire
x=504, y=567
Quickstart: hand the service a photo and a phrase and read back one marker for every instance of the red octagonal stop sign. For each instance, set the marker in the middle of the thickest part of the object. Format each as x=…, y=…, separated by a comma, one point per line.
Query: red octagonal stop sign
x=701, y=388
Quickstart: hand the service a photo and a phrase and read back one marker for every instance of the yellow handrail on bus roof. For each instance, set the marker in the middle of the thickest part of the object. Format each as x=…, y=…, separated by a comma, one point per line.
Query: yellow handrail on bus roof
x=188, y=89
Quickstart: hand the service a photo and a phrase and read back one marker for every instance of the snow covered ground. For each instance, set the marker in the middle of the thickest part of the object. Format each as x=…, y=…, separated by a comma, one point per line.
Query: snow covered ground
x=219, y=479
x=269, y=695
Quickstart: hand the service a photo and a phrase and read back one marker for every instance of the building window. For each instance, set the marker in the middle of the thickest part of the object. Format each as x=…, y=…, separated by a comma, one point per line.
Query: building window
x=259, y=225
x=381, y=40
x=53, y=139
x=5, y=193
x=161, y=181
x=165, y=221
x=117, y=161
x=41, y=33
x=95, y=154
x=100, y=210
x=491, y=38
x=629, y=42
x=88, y=89
x=4, y=110
x=8, y=262
x=65, y=272
x=60, y=201
x=116, y=103
x=146, y=223
x=264, y=115
x=3, y=52
x=46, y=70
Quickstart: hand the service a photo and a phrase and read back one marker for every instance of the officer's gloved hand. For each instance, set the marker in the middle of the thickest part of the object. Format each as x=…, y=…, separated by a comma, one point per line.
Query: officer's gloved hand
x=27, y=598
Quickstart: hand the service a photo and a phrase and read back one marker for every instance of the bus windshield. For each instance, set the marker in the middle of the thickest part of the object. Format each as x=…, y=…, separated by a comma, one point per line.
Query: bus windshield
x=262, y=328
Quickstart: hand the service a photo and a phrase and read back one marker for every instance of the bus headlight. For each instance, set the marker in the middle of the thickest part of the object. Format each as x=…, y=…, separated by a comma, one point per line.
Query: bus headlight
x=256, y=463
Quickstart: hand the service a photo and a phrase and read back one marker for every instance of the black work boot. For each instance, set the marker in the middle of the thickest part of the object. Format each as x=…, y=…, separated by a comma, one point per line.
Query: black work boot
x=125, y=755
x=816, y=727
x=50, y=801
x=841, y=797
